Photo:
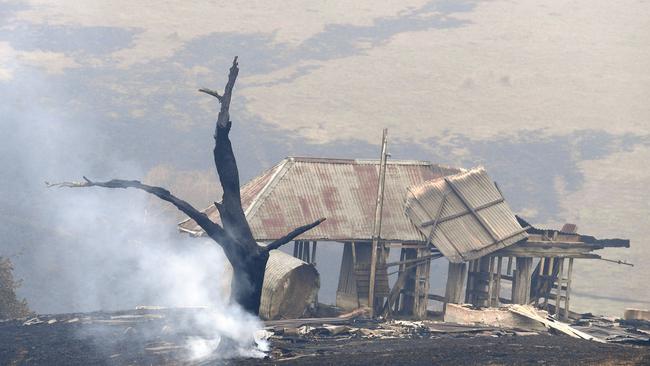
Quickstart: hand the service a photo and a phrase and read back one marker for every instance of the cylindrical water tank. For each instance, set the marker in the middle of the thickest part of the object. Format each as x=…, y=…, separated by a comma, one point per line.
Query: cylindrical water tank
x=290, y=286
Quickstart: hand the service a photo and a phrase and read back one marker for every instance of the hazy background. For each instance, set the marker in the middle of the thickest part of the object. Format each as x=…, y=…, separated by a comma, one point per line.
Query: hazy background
x=551, y=97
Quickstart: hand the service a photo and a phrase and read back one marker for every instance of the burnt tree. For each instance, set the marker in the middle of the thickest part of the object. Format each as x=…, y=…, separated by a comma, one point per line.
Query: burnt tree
x=247, y=257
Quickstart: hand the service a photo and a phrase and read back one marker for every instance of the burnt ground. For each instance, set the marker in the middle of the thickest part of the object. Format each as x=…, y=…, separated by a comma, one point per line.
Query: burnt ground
x=466, y=350
x=146, y=338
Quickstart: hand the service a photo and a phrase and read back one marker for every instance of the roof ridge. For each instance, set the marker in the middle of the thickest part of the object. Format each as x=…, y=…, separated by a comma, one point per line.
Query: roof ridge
x=325, y=160
x=281, y=170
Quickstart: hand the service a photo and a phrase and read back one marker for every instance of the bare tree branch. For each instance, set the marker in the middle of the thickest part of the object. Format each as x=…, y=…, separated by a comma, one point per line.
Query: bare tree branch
x=230, y=208
x=289, y=237
x=211, y=92
x=212, y=229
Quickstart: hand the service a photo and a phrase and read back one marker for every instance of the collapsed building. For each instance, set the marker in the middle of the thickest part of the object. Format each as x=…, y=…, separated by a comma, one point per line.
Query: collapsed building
x=426, y=211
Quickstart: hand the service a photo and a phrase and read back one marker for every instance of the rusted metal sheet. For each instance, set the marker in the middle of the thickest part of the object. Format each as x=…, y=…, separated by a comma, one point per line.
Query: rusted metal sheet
x=465, y=215
x=301, y=190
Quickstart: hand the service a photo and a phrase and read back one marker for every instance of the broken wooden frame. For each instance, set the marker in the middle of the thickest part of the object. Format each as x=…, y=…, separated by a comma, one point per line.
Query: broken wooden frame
x=539, y=270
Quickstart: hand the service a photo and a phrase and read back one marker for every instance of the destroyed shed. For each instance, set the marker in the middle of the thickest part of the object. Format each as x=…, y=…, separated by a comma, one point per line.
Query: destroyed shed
x=345, y=192
x=428, y=211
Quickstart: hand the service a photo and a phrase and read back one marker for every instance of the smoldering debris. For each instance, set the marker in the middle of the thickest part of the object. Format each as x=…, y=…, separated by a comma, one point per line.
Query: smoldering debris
x=141, y=336
x=172, y=336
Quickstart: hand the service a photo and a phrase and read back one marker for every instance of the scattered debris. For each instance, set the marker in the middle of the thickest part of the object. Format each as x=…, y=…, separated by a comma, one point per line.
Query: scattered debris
x=531, y=313
x=496, y=317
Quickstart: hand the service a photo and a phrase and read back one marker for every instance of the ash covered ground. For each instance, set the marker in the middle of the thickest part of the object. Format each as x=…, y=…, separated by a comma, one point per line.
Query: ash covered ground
x=160, y=337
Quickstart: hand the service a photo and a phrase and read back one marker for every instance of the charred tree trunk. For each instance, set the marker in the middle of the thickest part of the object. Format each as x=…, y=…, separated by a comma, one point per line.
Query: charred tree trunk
x=248, y=259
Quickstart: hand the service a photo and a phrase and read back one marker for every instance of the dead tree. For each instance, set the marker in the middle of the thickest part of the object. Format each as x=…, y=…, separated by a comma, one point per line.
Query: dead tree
x=247, y=257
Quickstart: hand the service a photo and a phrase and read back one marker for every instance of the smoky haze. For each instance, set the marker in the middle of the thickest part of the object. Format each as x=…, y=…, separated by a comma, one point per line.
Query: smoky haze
x=82, y=250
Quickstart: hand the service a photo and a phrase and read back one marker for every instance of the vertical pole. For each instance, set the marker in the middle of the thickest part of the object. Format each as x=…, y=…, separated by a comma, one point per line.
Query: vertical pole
x=471, y=275
x=455, y=279
x=402, y=268
x=498, y=289
x=540, y=275
x=568, y=289
x=313, y=252
x=558, y=293
x=509, y=269
x=376, y=232
x=421, y=285
x=521, y=285
x=548, y=279
x=490, y=293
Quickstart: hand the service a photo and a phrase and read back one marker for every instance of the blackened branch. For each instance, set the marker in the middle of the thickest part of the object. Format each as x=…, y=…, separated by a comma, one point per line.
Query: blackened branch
x=292, y=235
x=212, y=229
x=211, y=92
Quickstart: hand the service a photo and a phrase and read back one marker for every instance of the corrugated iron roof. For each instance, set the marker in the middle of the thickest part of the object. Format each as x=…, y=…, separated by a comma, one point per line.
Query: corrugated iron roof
x=300, y=190
x=464, y=215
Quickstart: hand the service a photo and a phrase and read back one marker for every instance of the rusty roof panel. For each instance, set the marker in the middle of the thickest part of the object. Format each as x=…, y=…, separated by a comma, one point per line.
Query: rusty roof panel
x=460, y=234
x=300, y=190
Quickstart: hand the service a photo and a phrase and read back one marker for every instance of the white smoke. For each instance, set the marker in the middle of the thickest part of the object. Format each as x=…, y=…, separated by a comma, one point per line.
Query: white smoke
x=88, y=249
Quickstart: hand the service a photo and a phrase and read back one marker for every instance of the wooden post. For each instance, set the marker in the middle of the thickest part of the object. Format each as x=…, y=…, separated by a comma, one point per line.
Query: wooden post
x=521, y=283
x=481, y=283
x=407, y=301
x=558, y=294
x=422, y=285
x=548, y=280
x=509, y=269
x=498, y=280
x=455, y=279
x=402, y=270
x=376, y=232
x=471, y=275
x=568, y=289
x=490, y=292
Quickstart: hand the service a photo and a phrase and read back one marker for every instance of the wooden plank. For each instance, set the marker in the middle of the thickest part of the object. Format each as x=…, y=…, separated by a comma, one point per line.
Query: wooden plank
x=416, y=260
x=519, y=252
x=436, y=297
x=528, y=312
x=394, y=293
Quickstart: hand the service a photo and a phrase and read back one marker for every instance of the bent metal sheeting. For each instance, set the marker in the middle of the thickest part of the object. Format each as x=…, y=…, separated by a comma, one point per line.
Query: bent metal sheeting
x=464, y=215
